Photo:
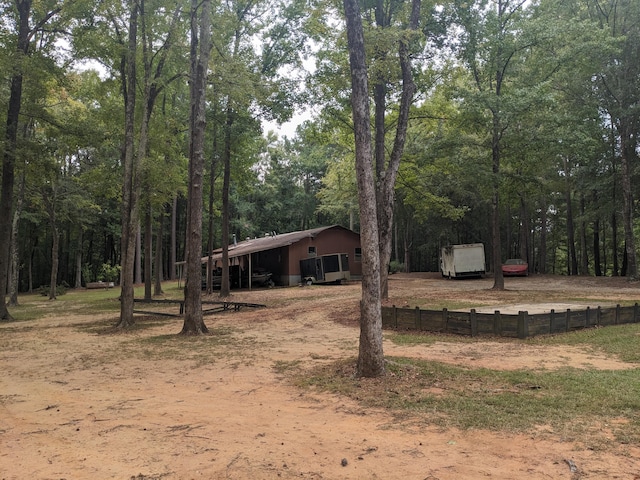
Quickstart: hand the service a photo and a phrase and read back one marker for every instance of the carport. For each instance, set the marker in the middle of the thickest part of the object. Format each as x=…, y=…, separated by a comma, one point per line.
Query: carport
x=280, y=254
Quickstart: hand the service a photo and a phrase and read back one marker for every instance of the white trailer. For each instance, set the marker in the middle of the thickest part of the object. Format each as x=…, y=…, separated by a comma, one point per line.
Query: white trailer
x=331, y=268
x=458, y=261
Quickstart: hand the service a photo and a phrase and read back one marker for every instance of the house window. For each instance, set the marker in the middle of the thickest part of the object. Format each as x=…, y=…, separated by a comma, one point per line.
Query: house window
x=312, y=251
x=358, y=256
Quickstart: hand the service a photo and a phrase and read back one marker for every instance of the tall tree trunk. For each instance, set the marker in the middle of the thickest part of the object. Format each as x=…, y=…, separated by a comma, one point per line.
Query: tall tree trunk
x=49, y=199
x=614, y=199
x=78, y=261
x=572, y=261
x=542, y=260
x=396, y=242
x=584, y=254
x=148, y=253
x=498, y=278
x=505, y=10
x=133, y=169
x=597, y=260
x=225, y=283
x=157, y=286
x=200, y=50
x=619, y=92
x=386, y=178
x=150, y=92
x=628, y=155
x=32, y=252
x=55, y=256
x=371, y=355
x=226, y=162
x=151, y=89
x=63, y=266
x=212, y=184
x=524, y=231
x=9, y=157
x=15, y=253
x=174, y=238
x=508, y=232
x=138, y=266
x=406, y=244
x=131, y=181
x=614, y=244
x=596, y=248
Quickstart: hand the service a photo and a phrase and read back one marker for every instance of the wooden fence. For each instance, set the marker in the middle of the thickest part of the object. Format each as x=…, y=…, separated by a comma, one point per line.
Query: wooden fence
x=521, y=325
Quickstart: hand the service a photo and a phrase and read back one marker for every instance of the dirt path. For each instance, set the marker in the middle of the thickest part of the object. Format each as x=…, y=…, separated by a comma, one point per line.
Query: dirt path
x=77, y=404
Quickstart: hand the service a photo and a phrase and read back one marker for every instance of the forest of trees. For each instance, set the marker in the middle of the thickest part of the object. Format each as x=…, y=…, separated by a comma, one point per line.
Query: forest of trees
x=522, y=130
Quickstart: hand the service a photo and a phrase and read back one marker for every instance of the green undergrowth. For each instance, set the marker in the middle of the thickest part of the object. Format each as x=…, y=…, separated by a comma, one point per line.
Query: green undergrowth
x=81, y=302
x=620, y=341
x=219, y=343
x=572, y=403
x=107, y=326
x=423, y=338
x=597, y=408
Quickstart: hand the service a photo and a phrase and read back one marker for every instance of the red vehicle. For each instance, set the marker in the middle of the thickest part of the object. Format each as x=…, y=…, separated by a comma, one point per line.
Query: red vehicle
x=515, y=267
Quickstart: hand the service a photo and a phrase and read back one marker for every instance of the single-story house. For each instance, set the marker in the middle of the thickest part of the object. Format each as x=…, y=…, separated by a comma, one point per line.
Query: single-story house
x=280, y=253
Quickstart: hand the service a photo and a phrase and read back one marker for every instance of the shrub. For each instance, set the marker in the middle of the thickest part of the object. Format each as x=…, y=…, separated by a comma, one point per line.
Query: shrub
x=109, y=273
x=60, y=289
x=395, y=266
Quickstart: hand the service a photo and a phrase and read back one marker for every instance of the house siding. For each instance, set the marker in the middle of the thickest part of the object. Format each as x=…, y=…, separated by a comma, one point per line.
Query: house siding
x=332, y=240
x=283, y=261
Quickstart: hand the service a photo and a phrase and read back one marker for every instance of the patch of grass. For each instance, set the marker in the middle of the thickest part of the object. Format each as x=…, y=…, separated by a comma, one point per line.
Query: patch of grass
x=106, y=301
x=97, y=327
x=614, y=340
x=619, y=340
x=201, y=349
x=106, y=326
x=435, y=303
x=282, y=366
x=216, y=336
x=599, y=301
x=574, y=402
x=98, y=306
x=25, y=312
x=81, y=302
x=425, y=338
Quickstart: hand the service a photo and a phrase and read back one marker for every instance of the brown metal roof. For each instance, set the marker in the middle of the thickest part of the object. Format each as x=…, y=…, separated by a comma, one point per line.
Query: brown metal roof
x=252, y=245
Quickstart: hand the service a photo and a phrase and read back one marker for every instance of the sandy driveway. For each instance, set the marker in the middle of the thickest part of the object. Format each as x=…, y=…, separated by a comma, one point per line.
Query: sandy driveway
x=79, y=404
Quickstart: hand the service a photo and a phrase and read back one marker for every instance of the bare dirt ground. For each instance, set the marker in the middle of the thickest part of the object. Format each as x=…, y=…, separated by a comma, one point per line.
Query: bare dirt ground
x=79, y=403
